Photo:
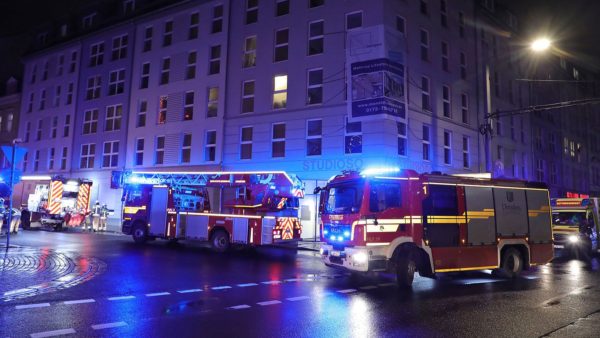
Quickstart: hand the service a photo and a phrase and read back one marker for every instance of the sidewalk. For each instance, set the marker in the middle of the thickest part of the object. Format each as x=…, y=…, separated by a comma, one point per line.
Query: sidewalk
x=309, y=245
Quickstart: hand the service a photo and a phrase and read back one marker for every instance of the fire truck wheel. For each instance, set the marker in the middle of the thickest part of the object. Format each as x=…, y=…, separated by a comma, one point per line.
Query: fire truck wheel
x=139, y=233
x=220, y=241
x=405, y=269
x=512, y=263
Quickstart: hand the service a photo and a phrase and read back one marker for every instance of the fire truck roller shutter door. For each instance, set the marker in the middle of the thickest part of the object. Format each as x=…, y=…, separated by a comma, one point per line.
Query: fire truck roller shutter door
x=511, y=212
x=481, y=221
x=196, y=226
x=540, y=222
x=267, y=230
x=158, y=210
x=240, y=230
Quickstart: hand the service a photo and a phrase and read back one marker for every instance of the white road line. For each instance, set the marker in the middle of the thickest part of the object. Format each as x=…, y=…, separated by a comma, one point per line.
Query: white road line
x=293, y=280
x=294, y=299
x=108, y=325
x=386, y=284
x=52, y=333
x=190, y=291
x=247, y=284
x=80, y=301
x=31, y=306
x=269, y=302
x=239, y=307
x=121, y=298
x=368, y=287
x=221, y=287
x=156, y=294
x=271, y=282
x=347, y=291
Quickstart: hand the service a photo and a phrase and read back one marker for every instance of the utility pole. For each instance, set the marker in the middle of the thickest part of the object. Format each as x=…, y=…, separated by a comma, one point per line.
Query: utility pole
x=10, y=185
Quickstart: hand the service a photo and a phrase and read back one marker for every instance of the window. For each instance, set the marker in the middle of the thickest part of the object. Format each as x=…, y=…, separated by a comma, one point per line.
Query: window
x=110, y=157
x=193, y=29
x=463, y=66
x=401, y=25
x=249, y=52
x=425, y=99
x=128, y=6
x=70, y=93
x=33, y=74
x=96, y=54
x=214, y=63
x=190, y=69
x=113, y=118
x=116, y=82
x=315, y=37
x=67, y=126
x=246, y=143
x=51, y=153
x=43, y=100
x=424, y=45
x=280, y=91
x=423, y=6
x=446, y=106
x=445, y=54
x=88, y=153
x=159, y=152
x=25, y=162
x=94, y=84
x=281, y=45
x=315, y=86
x=36, y=161
x=314, y=136
x=464, y=108
x=54, y=130
x=248, y=97
x=552, y=142
x=27, y=131
x=139, y=152
x=148, y=32
x=282, y=7
x=165, y=70
x=402, y=139
x=251, y=11
x=119, y=47
x=461, y=24
x=554, y=174
x=512, y=128
x=88, y=21
x=90, y=121
x=353, y=138
x=141, y=115
x=217, y=21
x=444, y=13
x=38, y=134
x=57, y=91
x=162, y=109
x=45, y=73
x=539, y=170
x=500, y=153
x=499, y=126
x=426, y=143
x=213, y=102
x=9, y=123
x=145, y=77
x=383, y=196
x=315, y=3
x=60, y=66
x=73, y=64
x=186, y=148
x=447, y=147
x=30, y=104
x=188, y=107
x=210, y=148
x=466, y=152
x=496, y=84
x=168, y=33
x=278, y=140
x=354, y=20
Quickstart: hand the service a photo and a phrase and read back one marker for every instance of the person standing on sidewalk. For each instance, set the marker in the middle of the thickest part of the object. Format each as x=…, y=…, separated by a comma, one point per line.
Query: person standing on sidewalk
x=96, y=210
x=103, y=217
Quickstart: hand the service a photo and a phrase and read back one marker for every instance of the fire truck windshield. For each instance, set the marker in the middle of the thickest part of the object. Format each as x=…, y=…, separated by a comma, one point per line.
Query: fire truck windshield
x=569, y=218
x=343, y=199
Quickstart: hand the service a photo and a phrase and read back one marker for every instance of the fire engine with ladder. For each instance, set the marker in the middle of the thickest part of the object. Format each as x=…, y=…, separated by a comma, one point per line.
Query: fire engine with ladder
x=224, y=208
x=399, y=221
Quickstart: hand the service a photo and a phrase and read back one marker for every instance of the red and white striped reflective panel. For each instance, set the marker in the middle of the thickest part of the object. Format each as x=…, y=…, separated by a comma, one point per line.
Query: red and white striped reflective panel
x=286, y=225
x=55, y=197
x=83, y=198
x=298, y=193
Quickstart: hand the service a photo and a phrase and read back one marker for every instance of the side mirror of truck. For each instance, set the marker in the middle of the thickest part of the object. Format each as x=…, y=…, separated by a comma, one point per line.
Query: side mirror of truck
x=317, y=190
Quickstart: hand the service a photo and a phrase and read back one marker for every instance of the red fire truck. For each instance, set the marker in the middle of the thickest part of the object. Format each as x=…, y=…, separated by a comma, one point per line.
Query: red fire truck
x=576, y=225
x=399, y=221
x=252, y=208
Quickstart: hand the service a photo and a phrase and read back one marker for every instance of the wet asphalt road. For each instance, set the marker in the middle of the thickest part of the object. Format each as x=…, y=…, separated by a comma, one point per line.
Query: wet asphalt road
x=163, y=290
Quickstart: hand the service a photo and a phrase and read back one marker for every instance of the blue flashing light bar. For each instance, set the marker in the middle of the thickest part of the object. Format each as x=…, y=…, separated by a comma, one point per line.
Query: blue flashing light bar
x=332, y=238
x=346, y=233
x=379, y=171
x=340, y=238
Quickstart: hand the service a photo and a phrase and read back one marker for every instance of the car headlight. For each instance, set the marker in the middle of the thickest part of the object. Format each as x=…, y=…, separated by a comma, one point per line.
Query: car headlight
x=573, y=239
x=360, y=258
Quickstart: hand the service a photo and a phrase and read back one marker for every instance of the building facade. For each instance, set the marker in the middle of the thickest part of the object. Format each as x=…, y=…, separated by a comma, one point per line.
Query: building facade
x=10, y=107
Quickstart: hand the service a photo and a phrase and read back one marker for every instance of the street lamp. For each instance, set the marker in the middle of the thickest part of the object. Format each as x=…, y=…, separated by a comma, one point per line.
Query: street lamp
x=10, y=185
x=540, y=45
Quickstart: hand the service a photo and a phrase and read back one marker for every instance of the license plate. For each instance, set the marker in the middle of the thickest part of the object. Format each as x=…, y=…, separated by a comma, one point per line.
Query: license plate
x=559, y=246
x=335, y=253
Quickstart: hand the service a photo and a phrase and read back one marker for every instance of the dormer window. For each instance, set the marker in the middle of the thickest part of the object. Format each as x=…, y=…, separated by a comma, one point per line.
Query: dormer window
x=128, y=6
x=88, y=21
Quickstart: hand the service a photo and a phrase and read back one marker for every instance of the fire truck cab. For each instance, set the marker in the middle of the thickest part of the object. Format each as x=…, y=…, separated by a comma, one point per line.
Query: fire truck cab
x=575, y=224
x=399, y=221
x=251, y=208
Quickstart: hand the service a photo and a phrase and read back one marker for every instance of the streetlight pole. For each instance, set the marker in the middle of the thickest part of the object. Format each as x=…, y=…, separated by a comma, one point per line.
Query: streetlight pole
x=486, y=128
x=10, y=196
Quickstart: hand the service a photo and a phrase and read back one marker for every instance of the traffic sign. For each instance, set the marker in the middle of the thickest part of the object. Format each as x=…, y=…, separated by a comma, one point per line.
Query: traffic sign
x=19, y=153
x=5, y=176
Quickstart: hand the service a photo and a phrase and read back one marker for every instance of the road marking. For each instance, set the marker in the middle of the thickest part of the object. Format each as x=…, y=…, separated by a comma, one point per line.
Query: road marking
x=247, y=284
x=80, y=301
x=221, y=287
x=386, y=284
x=271, y=282
x=294, y=299
x=368, y=287
x=156, y=294
x=108, y=325
x=347, y=291
x=52, y=333
x=190, y=291
x=269, y=302
x=293, y=280
x=121, y=298
x=31, y=306
x=239, y=307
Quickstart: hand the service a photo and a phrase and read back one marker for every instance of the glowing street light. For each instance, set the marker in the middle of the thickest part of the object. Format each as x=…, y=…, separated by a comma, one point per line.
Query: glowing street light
x=540, y=45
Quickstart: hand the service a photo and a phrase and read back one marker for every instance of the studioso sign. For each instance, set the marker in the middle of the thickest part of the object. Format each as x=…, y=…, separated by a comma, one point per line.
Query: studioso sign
x=378, y=88
x=333, y=164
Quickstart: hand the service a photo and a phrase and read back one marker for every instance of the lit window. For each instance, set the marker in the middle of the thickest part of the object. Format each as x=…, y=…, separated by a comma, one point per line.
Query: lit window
x=162, y=109
x=249, y=52
x=280, y=91
x=213, y=102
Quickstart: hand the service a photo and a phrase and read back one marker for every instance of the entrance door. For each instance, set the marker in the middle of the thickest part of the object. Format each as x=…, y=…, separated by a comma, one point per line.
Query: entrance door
x=158, y=210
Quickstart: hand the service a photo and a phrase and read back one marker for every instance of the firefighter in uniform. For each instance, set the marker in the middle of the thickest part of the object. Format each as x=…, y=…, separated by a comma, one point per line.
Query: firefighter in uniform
x=103, y=216
x=96, y=210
